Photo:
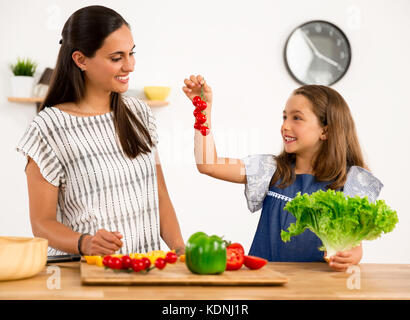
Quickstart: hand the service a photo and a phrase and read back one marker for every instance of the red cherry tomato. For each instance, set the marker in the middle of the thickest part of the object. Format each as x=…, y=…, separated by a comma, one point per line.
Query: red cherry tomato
x=254, y=263
x=201, y=105
x=106, y=261
x=126, y=262
x=147, y=262
x=235, y=256
x=137, y=265
x=171, y=257
x=197, y=126
x=196, y=112
x=204, y=130
x=111, y=263
x=115, y=263
x=195, y=100
x=201, y=118
x=160, y=263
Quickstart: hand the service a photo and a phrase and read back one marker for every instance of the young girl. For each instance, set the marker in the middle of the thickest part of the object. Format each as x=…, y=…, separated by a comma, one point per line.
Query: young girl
x=94, y=180
x=321, y=150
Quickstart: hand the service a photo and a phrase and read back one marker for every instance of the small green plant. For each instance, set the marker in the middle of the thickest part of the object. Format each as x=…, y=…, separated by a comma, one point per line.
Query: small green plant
x=24, y=67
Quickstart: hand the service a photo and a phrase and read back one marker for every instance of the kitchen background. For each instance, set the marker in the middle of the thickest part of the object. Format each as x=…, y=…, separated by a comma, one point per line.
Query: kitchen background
x=238, y=47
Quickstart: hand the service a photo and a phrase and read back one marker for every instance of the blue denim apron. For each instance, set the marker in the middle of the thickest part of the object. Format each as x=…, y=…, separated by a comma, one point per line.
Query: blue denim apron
x=267, y=242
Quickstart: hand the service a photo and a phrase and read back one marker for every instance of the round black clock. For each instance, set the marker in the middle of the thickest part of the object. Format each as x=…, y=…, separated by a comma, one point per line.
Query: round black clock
x=317, y=52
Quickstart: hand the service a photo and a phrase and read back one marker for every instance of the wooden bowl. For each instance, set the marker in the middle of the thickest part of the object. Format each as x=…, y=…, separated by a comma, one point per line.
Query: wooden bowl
x=22, y=257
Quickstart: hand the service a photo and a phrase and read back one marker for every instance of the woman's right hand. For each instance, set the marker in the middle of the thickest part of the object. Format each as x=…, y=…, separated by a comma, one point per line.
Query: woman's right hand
x=102, y=243
x=192, y=88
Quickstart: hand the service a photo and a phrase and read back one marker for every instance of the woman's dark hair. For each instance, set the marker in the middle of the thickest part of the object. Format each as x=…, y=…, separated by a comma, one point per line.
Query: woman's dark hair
x=85, y=31
x=338, y=152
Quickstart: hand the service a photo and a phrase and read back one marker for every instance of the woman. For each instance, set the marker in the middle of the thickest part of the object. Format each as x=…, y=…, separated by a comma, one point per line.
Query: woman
x=95, y=183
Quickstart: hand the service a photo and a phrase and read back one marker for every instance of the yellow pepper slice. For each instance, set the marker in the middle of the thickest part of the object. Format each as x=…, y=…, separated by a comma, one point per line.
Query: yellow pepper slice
x=137, y=255
x=99, y=261
x=90, y=259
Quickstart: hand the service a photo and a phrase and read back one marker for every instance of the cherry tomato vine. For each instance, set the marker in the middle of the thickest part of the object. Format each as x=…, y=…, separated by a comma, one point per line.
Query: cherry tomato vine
x=199, y=113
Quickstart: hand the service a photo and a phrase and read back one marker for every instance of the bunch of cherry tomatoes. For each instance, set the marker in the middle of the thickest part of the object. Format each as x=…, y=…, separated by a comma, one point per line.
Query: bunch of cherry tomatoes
x=200, y=115
x=126, y=263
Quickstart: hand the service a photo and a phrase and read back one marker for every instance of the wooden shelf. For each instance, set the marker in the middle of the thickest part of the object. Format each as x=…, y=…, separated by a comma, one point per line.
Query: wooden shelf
x=25, y=100
x=156, y=103
x=151, y=103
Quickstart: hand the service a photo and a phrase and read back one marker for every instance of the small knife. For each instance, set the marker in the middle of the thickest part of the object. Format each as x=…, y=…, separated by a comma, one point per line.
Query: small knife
x=63, y=258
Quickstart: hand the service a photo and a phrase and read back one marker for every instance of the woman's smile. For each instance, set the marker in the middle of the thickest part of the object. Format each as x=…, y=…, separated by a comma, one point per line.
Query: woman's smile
x=122, y=79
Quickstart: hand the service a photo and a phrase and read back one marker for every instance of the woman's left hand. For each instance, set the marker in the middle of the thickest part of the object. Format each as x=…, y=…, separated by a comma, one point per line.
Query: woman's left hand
x=180, y=251
x=341, y=261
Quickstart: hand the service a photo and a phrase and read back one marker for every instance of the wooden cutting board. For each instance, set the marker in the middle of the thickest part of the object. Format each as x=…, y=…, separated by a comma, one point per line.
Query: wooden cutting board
x=179, y=274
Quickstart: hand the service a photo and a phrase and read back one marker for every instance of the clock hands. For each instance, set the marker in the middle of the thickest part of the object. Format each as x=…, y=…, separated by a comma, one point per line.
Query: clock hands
x=318, y=54
x=330, y=61
x=310, y=43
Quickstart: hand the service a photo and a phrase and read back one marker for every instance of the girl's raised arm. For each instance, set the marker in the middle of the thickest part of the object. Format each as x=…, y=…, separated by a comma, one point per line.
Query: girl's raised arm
x=206, y=156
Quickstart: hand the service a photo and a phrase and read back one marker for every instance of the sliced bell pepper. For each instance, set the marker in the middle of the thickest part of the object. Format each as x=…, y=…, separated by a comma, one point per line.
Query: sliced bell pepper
x=235, y=256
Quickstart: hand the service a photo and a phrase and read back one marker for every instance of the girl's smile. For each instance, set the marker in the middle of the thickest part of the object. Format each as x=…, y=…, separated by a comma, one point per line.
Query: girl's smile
x=288, y=139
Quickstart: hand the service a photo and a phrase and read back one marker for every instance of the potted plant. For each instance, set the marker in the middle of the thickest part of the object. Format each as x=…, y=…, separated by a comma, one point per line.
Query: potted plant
x=23, y=81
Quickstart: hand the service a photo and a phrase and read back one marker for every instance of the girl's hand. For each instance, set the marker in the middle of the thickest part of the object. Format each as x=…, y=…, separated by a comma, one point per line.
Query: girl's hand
x=341, y=261
x=192, y=88
x=102, y=243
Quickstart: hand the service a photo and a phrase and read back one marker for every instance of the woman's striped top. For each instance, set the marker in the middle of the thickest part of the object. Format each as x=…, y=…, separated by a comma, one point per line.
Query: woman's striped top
x=99, y=187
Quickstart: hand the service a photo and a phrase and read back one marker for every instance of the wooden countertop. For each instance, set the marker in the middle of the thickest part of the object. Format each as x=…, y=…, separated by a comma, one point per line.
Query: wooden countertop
x=306, y=281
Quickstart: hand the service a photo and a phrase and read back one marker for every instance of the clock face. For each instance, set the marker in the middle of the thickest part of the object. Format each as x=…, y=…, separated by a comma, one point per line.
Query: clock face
x=317, y=52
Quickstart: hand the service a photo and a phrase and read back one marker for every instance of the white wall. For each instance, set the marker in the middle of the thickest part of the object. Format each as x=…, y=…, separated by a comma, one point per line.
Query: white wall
x=237, y=46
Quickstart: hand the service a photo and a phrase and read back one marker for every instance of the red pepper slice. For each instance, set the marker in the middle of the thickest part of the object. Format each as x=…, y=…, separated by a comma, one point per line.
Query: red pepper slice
x=254, y=263
x=235, y=256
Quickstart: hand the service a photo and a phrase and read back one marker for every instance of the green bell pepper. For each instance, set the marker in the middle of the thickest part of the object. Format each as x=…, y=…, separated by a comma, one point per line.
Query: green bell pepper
x=205, y=254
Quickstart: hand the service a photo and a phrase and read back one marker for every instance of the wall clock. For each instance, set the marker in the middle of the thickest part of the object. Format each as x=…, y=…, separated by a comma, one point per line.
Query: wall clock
x=317, y=52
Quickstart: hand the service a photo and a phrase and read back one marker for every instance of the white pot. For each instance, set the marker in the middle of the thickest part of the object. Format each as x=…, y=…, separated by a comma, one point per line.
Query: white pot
x=22, y=86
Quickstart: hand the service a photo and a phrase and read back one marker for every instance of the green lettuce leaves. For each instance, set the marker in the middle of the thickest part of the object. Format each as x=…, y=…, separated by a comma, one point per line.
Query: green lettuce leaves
x=341, y=222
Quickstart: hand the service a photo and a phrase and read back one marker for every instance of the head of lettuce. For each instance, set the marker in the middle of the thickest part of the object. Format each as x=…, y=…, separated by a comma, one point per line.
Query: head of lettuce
x=341, y=222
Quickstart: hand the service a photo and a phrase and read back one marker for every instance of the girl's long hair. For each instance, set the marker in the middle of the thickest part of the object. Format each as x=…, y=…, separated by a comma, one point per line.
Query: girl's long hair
x=338, y=152
x=85, y=31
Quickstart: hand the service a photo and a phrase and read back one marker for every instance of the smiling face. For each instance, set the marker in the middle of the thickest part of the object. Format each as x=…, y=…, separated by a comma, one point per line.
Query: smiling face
x=301, y=131
x=109, y=68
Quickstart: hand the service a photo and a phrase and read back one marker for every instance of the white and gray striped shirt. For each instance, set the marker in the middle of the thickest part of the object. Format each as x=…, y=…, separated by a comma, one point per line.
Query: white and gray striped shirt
x=99, y=187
